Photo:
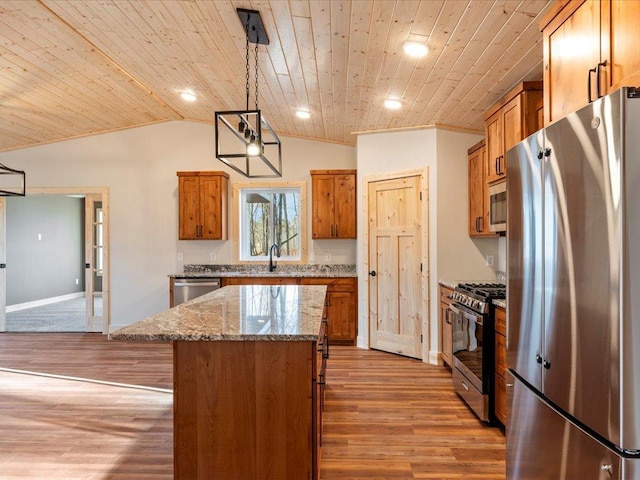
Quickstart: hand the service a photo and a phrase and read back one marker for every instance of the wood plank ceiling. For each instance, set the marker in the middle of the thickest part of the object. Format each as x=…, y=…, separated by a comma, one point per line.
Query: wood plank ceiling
x=75, y=68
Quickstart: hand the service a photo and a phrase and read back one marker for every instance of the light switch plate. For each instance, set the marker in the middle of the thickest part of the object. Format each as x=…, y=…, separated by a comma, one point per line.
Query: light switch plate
x=212, y=256
x=180, y=256
x=489, y=260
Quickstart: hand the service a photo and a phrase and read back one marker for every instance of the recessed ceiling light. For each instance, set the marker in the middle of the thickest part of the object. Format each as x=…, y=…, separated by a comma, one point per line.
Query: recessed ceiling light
x=304, y=114
x=392, y=104
x=188, y=95
x=415, y=49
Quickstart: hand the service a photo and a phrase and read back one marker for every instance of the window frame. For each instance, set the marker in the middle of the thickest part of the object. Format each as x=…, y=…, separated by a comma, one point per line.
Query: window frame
x=237, y=224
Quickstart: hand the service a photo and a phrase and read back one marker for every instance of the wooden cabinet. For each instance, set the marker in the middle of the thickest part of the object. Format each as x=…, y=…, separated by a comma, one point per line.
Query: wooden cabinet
x=446, y=326
x=341, y=301
x=500, y=376
x=478, y=192
x=508, y=122
x=589, y=51
x=202, y=200
x=342, y=308
x=333, y=203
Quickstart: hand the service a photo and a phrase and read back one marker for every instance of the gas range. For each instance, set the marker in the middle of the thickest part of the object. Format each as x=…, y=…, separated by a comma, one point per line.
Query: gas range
x=478, y=296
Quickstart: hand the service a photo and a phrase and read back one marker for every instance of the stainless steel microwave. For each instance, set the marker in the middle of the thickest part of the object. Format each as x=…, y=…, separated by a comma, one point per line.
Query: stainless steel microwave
x=498, y=207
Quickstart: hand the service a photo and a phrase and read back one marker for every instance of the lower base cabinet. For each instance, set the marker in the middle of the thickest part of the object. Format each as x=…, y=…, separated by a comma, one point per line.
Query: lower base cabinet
x=500, y=382
x=446, y=327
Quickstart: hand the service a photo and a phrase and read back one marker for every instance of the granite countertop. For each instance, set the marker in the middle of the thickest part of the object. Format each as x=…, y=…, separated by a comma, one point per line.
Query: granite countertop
x=288, y=270
x=449, y=283
x=500, y=303
x=237, y=313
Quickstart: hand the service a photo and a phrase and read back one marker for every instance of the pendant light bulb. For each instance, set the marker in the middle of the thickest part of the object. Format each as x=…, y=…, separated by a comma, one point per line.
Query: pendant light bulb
x=253, y=149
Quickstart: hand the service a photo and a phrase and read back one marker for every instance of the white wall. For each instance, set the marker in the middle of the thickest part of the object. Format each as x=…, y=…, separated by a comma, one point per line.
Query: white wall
x=452, y=254
x=139, y=166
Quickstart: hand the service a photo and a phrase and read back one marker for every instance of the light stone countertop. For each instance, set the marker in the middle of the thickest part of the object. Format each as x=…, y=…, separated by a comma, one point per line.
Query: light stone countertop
x=286, y=270
x=237, y=313
x=500, y=302
x=449, y=283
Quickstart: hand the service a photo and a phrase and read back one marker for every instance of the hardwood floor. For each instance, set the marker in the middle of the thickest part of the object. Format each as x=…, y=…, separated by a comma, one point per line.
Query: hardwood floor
x=390, y=417
x=386, y=417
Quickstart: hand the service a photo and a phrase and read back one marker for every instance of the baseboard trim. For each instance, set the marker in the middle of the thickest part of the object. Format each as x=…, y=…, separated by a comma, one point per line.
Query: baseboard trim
x=45, y=301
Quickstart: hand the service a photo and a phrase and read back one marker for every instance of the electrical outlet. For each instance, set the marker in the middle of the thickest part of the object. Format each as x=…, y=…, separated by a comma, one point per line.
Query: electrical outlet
x=212, y=256
x=180, y=256
x=489, y=260
x=327, y=257
x=312, y=257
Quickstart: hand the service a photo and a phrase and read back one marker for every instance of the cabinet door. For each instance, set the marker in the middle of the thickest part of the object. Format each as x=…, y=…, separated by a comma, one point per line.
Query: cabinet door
x=477, y=192
x=341, y=316
x=619, y=23
x=494, y=146
x=322, y=200
x=211, y=213
x=189, y=211
x=345, y=206
x=447, y=334
x=500, y=399
x=512, y=132
x=571, y=48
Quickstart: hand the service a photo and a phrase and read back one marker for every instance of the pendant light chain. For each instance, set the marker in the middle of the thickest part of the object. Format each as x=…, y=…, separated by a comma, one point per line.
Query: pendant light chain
x=256, y=55
x=247, y=62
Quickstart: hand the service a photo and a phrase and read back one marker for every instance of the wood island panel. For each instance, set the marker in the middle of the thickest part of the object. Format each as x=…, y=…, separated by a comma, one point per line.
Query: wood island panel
x=244, y=410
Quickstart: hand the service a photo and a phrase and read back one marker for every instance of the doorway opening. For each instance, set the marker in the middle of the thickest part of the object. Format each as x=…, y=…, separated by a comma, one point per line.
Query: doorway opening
x=53, y=261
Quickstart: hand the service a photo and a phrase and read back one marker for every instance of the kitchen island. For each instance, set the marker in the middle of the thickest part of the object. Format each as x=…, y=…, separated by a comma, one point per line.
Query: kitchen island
x=248, y=380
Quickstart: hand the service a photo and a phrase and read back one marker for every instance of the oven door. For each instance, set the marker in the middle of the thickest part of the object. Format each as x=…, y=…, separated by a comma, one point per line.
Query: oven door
x=468, y=344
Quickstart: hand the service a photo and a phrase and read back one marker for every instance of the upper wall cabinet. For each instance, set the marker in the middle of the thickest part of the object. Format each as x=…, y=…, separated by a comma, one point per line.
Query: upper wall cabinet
x=590, y=50
x=508, y=122
x=202, y=205
x=478, y=192
x=333, y=203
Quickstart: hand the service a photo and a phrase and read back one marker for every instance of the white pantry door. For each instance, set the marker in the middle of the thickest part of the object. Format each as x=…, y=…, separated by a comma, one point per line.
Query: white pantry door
x=395, y=290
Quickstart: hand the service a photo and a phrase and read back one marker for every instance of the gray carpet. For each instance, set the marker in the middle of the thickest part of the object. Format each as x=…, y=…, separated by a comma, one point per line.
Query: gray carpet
x=66, y=316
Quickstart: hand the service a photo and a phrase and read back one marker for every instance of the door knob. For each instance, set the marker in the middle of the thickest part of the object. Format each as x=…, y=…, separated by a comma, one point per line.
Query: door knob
x=373, y=273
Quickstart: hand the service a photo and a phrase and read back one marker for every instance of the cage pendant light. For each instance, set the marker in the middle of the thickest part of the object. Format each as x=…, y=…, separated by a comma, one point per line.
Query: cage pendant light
x=244, y=139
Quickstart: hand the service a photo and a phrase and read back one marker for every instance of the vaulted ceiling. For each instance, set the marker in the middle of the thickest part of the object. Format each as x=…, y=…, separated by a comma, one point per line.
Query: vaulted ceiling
x=75, y=68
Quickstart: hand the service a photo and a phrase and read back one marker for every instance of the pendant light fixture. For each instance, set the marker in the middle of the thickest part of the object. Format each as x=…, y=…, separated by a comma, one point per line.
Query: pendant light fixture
x=244, y=139
x=15, y=182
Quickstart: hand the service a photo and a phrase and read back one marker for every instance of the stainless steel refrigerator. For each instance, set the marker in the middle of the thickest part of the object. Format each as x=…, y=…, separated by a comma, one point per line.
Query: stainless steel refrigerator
x=573, y=296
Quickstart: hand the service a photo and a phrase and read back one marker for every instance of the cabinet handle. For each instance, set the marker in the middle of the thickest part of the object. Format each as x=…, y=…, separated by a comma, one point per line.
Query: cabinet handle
x=500, y=164
x=481, y=224
x=591, y=70
x=495, y=165
x=321, y=379
x=601, y=64
x=326, y=347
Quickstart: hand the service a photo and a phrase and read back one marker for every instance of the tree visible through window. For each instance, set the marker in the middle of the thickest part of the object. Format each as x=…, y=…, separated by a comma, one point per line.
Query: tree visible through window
x=270, y=216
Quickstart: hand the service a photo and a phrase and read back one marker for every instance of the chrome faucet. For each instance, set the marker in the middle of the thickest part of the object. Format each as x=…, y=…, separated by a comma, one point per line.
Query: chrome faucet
x=272, y=265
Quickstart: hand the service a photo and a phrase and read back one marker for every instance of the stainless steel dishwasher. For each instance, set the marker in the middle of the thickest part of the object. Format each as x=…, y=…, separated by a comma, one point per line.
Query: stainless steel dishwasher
x=188, y=288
